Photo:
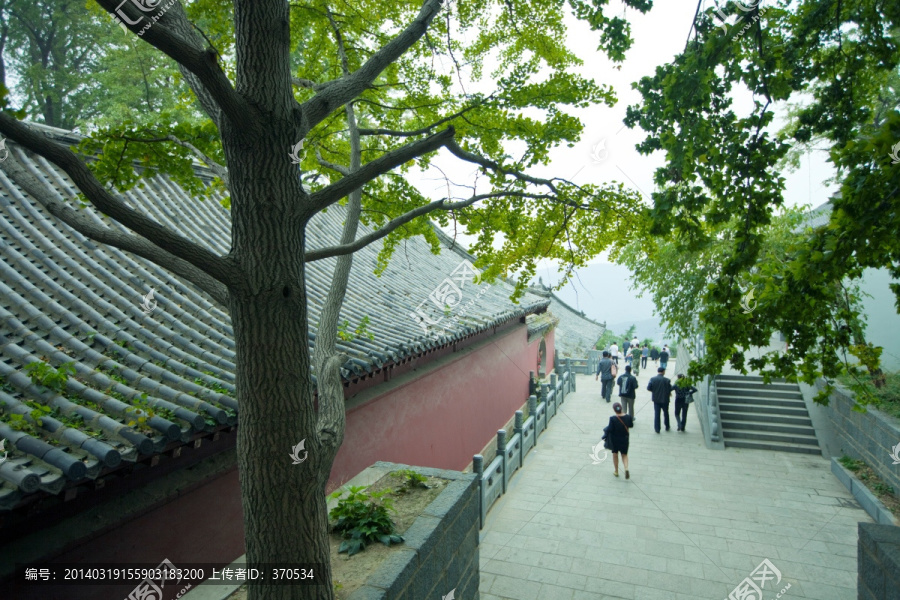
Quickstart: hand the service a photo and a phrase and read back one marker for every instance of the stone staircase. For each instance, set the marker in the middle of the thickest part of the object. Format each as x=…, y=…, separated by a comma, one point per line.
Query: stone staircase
x=764, y=417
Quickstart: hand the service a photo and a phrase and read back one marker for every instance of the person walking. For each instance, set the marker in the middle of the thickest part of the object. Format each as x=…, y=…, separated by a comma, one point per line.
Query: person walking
x=605, y=373
x=664, y=357
x=625, y=346
x=635, y=342
x=661, y=391
x=682, y=399
x=645, y=354
x=628, y=384
x=617, y=433
x=654, y=355
x=636, y=359
x=614, y=353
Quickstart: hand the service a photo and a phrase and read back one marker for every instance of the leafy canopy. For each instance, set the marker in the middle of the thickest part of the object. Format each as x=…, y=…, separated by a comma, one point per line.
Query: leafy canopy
x=721, y=190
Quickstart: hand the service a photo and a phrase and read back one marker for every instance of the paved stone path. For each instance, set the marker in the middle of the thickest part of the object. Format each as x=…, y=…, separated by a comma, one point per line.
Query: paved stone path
x=690, y=524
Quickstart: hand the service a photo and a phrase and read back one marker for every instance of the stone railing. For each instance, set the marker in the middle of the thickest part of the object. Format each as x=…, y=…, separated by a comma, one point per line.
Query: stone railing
x=707, y=404
x=493, y=477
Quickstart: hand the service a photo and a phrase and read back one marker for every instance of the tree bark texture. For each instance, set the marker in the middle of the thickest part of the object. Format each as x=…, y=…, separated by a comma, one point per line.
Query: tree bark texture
x=285, y=513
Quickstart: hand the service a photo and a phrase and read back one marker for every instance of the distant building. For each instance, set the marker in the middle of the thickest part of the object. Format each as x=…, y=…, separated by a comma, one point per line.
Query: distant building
x=576, y=334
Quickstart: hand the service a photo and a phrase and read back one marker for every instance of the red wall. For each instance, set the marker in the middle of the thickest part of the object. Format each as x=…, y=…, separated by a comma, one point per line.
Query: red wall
x=444, y=417
x=439, y=419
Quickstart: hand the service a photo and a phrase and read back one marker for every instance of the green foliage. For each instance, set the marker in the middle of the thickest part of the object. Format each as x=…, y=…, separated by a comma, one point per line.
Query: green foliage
x=44, y=374
x=851, y=464
x=411, y=480
x=362, y=330
x=20, y=423
x=214, y=386
x=363, y=519
x=715, y=218
x=886, y=396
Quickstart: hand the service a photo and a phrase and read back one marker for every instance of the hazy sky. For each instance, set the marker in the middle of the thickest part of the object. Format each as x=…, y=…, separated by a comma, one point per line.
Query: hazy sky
x=658, y=37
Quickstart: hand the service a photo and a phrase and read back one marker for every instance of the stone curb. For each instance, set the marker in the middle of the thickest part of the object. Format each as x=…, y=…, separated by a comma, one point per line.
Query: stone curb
x=870, y=503
x=447, y=503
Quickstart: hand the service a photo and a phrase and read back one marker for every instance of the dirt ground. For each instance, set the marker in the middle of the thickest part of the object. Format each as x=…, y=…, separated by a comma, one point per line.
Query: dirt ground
x=351, y=572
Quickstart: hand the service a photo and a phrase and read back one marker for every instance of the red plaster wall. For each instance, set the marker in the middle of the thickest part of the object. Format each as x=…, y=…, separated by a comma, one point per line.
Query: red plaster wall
x=443, y=418
x=439, y=420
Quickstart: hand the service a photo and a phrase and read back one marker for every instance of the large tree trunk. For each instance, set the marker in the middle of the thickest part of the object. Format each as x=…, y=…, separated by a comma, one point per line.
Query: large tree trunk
x=285, y=518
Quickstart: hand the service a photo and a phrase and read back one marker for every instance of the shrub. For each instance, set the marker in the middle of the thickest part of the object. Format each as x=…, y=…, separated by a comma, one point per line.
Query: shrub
x=363, y=519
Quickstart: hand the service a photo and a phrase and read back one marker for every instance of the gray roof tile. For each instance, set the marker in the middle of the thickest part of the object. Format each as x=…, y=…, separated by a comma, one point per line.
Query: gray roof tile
x=65, y=299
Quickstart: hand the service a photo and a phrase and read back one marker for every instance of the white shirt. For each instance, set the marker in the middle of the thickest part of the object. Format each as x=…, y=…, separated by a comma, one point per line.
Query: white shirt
x=614, y=350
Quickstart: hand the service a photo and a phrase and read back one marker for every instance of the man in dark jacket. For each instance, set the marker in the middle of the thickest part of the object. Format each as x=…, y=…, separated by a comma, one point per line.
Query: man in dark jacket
x=628, y=384
x=682, y=392
x=604, y=372
x=664, y=358
x=660, y=391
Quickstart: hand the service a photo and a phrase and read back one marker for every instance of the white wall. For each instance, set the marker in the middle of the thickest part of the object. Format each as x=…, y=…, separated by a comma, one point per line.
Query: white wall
x=881, y=315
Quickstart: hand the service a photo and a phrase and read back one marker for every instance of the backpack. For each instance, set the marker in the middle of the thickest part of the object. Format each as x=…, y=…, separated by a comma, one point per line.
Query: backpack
x=626, y=387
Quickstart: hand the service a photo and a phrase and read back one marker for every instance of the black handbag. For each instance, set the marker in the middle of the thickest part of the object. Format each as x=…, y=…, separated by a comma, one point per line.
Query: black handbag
x=606, y=442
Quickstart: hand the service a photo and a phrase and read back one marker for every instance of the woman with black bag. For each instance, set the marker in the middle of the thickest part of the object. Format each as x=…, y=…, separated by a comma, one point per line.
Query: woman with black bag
x=617, y=435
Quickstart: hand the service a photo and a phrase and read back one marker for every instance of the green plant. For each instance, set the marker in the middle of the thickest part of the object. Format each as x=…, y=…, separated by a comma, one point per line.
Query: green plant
x=362, y=518
x=411, y=480
x=882, y=488
x=44, y=374
x=850, y=463
x=4, y=386
x=214, y=386
x=20, y=423
x=362, y=330
x=38, y=410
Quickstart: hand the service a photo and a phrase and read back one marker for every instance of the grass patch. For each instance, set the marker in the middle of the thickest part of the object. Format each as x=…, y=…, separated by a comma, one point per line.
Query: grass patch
x=882, y=491
x=887, y=397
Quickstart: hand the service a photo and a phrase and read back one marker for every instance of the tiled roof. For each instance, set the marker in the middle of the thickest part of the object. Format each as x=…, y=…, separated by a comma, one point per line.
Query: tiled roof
x=575, y=333
x=67, y=300
x=819, y=216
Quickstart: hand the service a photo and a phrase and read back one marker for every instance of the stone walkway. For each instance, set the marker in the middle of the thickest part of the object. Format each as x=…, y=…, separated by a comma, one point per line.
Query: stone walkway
x=690, y=524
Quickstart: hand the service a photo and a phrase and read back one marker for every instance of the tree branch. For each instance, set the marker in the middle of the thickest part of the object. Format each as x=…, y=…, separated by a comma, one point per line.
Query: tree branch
x=457, y=151
x=220, y=171
x=214, y=265
x=403, y=219
x=385, y=163
x=330, y=165
x=426, y=129
x=30, y=183
x=174, y=35
x=340, y=91
x=332, y=411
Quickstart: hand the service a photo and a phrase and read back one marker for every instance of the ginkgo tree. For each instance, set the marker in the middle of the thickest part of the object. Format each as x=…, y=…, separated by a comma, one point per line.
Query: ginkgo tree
x=373, y=90
x=832, y=68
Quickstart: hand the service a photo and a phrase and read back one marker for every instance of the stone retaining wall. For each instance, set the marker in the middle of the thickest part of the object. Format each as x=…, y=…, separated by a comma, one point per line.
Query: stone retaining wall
x=440, y=549
x=867, y=436
x=878, y=560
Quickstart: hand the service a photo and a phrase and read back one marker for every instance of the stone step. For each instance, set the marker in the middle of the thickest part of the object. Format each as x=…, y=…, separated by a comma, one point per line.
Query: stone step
x=759, y=391
x=803, y=421
x=761, y=409
x=767, y=401
x=799, y=448
x=776, y=426
x=784, y=387
x=783, y=438
x=750, y=379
